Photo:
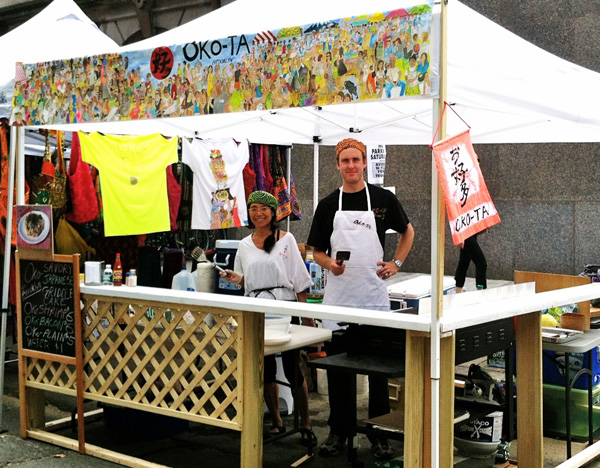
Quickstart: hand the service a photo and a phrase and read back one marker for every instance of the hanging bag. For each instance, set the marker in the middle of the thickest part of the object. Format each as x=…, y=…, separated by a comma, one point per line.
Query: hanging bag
x=53, y=189
x=69, y=241
x=280, y=186
x=46, y=175
x=84, y=204
x=58, y=186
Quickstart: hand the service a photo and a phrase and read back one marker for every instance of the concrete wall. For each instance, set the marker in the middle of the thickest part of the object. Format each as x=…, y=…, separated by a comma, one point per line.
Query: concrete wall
x=548, y=195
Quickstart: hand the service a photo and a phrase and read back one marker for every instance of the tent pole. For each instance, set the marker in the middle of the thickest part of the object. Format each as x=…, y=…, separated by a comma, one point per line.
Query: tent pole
x=288, y=176
x=315, y=176
x=15, y=134
x=437, y=264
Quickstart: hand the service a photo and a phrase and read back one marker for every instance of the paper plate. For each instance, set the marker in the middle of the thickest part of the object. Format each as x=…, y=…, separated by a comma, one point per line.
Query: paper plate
x=34, y=227
x=277, y=340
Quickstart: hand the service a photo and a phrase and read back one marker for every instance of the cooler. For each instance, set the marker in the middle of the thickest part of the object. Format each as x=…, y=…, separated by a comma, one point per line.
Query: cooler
x=225, y=251
x=412, y=290
x=554, y=368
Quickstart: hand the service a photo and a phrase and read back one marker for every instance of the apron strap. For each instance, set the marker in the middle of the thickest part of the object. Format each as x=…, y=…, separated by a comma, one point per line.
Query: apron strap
x=368, y=198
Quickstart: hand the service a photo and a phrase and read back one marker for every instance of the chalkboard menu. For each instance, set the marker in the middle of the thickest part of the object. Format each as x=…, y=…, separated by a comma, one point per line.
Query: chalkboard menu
x=48, y=306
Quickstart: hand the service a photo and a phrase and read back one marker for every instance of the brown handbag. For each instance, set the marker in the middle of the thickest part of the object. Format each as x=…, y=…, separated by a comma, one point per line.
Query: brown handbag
x=53, y=190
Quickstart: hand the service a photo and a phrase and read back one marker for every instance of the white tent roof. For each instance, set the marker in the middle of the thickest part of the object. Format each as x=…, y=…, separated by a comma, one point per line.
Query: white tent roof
x=59, y=31
x=506, y=89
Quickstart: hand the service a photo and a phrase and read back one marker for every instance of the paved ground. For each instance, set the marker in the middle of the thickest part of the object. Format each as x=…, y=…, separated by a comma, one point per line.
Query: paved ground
x=199, y=446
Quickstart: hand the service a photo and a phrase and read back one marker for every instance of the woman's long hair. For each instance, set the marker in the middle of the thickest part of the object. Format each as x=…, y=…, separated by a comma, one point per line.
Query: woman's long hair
x=270, y=240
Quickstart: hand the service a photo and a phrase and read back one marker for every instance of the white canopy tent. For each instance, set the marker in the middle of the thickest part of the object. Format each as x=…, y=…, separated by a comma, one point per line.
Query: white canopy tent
x=542, y=99
x=61, y=30
x=502, y=103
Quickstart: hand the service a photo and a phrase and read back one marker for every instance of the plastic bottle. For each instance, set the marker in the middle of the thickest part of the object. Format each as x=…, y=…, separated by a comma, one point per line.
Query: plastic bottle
x=183, y=281
x=118, y=271
x=107, y=276
x=131, y=278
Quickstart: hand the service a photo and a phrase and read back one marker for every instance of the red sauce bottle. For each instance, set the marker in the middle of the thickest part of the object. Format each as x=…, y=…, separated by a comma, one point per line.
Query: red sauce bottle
x=118, y=271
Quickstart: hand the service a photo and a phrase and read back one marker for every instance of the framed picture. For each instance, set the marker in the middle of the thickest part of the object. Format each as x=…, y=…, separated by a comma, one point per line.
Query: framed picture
x=35, y=231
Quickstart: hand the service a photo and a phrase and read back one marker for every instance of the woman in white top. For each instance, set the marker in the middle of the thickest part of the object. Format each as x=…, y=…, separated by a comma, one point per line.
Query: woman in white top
x=269, y=266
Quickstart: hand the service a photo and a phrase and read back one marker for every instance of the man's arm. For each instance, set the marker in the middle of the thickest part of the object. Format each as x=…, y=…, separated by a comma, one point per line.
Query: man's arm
x=404, y=245
x=327, y=262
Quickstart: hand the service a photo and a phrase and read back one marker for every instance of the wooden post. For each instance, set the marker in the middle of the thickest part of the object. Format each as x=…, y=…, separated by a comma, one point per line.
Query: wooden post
x=447, y=402
x=529, y=372
x=416, y=380
x=252, y=394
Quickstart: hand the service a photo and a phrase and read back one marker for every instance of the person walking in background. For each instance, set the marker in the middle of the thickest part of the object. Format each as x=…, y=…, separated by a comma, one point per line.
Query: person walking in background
x=470, y=251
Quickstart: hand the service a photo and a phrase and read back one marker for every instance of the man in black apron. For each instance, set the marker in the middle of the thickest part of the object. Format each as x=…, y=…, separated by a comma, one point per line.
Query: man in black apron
x=354, y=218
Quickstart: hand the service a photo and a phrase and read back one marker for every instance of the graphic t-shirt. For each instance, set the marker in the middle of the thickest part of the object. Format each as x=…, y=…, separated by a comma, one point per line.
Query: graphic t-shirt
x=219, y=199
x=133, y=180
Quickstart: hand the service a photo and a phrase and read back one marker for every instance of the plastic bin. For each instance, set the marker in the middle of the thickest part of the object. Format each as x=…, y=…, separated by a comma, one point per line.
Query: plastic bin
x=555, y=411
x=277, y=329
x=554, y=373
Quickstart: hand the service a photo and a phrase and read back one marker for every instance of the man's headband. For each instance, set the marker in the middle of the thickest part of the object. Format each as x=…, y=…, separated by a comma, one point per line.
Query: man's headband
x=350, y=143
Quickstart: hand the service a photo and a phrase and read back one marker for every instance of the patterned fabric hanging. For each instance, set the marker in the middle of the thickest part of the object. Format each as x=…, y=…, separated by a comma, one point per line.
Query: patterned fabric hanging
x=4, y=135
x=280, y=187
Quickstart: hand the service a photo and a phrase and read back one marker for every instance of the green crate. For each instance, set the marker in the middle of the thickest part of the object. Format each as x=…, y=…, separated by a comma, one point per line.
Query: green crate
x=554, y=411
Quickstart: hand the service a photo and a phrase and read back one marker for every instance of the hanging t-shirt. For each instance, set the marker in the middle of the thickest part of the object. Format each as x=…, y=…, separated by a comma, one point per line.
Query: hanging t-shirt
x=133, y=180
x=218, y=200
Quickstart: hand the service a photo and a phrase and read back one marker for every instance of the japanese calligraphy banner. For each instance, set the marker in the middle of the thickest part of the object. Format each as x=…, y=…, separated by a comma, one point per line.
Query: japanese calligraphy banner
x=383, y=55
x=468, y=203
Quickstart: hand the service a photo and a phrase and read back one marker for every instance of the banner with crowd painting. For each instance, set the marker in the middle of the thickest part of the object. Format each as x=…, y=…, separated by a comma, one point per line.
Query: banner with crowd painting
x=385, y=55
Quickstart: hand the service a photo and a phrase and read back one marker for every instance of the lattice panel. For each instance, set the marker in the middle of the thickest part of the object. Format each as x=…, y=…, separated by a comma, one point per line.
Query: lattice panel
x=50, y=373
x=182, y=360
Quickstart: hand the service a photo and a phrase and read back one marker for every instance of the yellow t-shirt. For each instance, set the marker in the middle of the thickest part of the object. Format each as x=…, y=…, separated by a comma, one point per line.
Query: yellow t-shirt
x=133, y=180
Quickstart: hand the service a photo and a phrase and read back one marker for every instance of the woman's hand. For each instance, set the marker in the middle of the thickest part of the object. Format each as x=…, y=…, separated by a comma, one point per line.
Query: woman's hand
x=231, y=276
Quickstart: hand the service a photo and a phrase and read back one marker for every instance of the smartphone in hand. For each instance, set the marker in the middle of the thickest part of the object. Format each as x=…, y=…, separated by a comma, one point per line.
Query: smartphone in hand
x=342, y=256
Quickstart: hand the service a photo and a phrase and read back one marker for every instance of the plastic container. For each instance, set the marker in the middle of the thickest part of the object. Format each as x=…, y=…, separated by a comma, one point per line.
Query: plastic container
x=131, y=278
x=555, y=411
x=277, y=329
x=317, y=276
x=107, y=276
x=553, y=365
x=183, y=281
x=93, y=273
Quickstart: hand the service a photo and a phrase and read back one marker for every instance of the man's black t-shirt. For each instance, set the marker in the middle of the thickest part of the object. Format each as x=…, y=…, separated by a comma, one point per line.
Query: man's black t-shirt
x=389, y=214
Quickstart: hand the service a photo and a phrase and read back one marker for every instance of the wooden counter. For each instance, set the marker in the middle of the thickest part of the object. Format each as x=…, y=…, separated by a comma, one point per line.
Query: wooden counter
x=151, y=349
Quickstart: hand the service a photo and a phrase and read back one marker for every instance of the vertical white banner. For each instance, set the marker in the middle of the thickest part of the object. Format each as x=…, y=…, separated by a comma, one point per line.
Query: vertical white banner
x=375, y=164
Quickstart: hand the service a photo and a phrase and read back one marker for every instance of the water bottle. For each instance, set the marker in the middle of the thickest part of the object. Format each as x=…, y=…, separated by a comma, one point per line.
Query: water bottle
x=107, y=276
x=183, y=281
x=318, y=281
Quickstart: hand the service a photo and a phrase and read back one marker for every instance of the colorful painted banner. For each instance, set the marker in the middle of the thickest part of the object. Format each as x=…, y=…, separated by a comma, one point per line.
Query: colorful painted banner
x=468, y=202
x=384, y=55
